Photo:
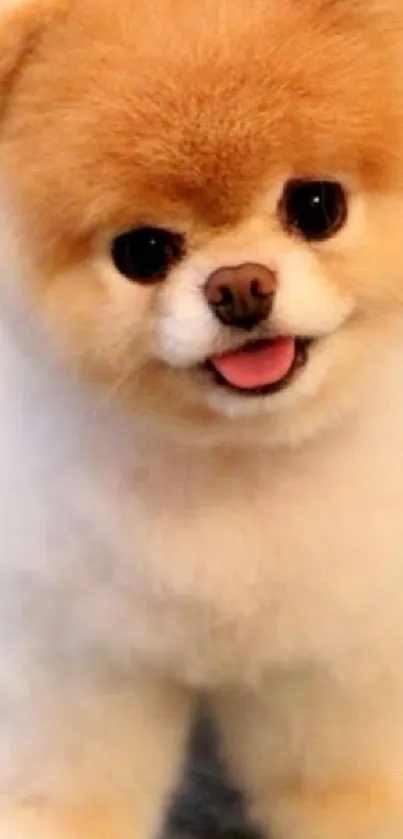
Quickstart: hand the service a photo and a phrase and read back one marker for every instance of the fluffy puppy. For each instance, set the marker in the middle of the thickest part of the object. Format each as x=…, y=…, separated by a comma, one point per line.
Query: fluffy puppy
x=201, y=435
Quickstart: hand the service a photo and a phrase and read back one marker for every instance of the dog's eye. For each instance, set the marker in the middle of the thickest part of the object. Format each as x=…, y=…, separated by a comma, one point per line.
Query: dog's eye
x=145, y=254
x=314, y=209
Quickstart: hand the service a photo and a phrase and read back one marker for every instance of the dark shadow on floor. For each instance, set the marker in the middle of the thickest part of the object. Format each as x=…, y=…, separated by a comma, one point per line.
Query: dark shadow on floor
x=207, y=806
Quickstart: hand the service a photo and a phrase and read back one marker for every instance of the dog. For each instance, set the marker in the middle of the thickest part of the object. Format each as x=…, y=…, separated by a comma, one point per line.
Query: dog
x=201, y=435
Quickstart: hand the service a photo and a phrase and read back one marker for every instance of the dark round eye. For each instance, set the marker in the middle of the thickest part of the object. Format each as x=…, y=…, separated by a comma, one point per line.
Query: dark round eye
x=145, y=254
x=314, y=209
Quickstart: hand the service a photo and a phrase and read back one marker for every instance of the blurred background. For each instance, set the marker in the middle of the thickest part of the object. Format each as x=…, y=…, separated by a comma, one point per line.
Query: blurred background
x=207, y=806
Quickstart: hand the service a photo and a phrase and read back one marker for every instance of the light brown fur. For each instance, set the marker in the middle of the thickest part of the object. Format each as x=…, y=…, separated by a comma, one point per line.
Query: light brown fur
x=147, y=135
x=181, y=536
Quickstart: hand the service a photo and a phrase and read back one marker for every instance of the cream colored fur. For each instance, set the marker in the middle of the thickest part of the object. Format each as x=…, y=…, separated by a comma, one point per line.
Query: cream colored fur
x=273, y=581
x=161, y=538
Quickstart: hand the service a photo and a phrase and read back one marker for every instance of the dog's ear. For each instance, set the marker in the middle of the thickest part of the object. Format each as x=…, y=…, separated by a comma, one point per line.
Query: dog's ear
x=361, y=7
x=355, y=7
x=386, y=15
x=22, y=23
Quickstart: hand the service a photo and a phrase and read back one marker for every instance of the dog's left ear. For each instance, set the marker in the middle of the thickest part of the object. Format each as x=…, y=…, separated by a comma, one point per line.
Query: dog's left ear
x=340, y=8
x=22, y=23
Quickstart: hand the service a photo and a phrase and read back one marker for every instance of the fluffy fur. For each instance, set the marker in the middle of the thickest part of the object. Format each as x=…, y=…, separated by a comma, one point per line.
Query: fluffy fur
x=161, y=536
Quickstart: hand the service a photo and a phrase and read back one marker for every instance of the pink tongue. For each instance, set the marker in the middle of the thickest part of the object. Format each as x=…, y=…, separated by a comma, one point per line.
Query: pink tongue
x=259, y=365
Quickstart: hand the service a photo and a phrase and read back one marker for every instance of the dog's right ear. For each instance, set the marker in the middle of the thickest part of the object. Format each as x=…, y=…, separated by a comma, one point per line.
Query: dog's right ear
x=22, y=23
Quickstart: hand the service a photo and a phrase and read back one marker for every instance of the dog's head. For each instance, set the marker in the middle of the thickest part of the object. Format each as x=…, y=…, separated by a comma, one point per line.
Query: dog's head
x=211, y=197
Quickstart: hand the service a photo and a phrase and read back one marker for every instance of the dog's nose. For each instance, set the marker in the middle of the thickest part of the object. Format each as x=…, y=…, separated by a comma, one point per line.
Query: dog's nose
x=241, y=296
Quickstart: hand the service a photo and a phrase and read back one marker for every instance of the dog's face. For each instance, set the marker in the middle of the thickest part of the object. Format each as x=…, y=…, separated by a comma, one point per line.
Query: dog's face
x=211, y=195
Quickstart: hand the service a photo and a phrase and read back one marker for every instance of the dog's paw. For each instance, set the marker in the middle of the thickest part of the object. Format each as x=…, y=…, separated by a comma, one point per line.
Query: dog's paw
x=38, y=824
x=18, y=826
x=68, y=822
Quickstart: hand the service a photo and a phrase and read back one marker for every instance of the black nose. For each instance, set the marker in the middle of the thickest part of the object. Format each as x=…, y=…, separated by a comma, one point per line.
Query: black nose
x=241, y=296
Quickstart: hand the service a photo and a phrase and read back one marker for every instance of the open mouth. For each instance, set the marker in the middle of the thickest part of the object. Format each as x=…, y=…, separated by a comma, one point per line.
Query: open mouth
x=260, y=367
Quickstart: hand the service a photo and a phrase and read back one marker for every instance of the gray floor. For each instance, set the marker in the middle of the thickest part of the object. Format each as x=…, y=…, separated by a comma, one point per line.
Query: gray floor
x=207, y=806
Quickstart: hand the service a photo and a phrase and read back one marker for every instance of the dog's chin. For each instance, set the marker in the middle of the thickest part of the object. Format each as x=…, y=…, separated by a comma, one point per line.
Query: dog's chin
x=260, y=368
x=210, y=408
x=313, y=397
x=296, y=384
x=306, y=393
x=324, y=381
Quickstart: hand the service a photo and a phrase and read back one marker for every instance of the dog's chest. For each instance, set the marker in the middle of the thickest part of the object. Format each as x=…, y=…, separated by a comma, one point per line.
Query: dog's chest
x=212, y=566
x=242, y=567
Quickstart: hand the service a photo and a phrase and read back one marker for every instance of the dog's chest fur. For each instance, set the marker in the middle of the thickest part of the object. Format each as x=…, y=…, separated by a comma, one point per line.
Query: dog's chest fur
x=216, y=566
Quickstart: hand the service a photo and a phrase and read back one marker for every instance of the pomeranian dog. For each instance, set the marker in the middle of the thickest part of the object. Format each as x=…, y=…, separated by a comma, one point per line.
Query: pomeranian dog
x=201, y=434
